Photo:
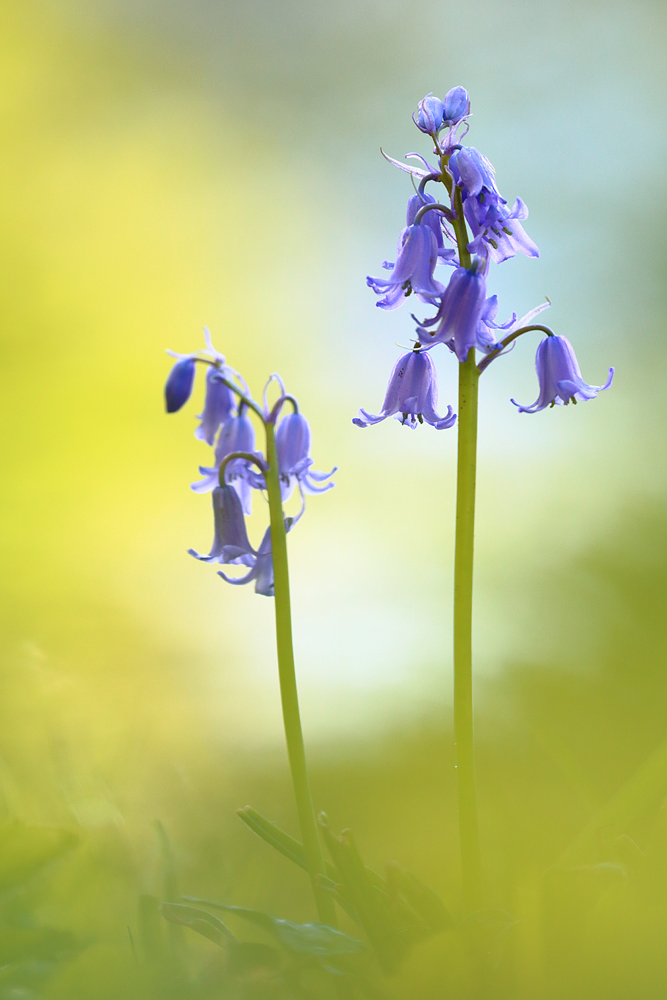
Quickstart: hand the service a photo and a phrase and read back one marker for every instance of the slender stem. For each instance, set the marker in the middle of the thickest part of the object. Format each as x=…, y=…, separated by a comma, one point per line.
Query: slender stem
x=485, y=362
x=471, y=862
x=288, y=691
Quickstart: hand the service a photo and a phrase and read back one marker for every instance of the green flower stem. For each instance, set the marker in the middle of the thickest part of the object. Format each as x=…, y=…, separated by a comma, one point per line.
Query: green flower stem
x=471, y=859
x=471, y=862
x=288, y=691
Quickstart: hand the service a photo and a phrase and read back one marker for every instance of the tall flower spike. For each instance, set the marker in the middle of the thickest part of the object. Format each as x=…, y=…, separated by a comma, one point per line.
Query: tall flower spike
x=460, y=311
x=413, y=270
x=178, y=389
x=559, y=376
x=230, y=542
x=294, y=461
x=412, y=394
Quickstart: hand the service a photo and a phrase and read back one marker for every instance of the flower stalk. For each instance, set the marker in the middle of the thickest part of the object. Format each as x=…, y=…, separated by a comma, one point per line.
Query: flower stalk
x=471, y=863
x=288, y=691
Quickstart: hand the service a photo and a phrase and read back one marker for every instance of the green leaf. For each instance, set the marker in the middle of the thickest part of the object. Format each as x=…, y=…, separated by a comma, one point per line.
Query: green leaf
x=24, y=850
x=309, y=939
x=278, y=839
x=200, y=921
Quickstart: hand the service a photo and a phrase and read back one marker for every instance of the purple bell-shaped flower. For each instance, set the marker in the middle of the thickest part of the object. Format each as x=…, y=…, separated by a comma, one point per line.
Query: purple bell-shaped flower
x=230, y=541
x=413, y=270
x=457, y=319
x=412, y=394
x=219, y=404
x=237, y=434
x=261, y=569
x=294, y=461
x=559, y=376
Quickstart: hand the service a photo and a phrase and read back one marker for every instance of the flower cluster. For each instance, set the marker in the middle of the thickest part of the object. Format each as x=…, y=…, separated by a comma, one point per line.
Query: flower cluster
x=238, y=468
x=470, y=228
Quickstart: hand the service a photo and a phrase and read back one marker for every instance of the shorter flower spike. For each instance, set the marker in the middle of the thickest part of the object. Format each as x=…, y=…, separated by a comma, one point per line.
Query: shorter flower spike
x=559, y=376
x=178, y=389
x=230, y=542
x=294, y=461
x=412, y=394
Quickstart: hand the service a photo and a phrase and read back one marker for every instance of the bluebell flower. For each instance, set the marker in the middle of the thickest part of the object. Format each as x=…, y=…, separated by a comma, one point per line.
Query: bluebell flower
x=261, y=569
x=429, y=114
x=559, y=376
x=294, y=461
x=178, y=389
x=457, y=319
x=496, y=229
x=473, y=172
x=237, y=434
x=219, y=404
x=230, y=542
x=434, y=219
x=412, y=394
x=413, y=270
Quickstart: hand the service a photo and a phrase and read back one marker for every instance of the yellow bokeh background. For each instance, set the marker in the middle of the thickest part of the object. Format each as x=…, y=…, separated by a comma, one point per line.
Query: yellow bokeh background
x=171, y=166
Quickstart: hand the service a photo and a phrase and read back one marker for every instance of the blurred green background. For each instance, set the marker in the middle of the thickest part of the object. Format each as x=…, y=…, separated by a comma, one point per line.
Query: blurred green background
x=169, y=165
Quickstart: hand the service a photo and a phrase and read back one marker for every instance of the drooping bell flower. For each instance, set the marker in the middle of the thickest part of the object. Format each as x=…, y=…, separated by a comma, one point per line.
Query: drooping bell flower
x=294, y=461
x=412, y=394
x=473, y=173
x=559, y=376
x=230, y=541
x=497, y=230
x=219, y=404
x=237, y=434
x=178, y=389
x=432, y=219
x=457, y=319
x=261, y=569
x=413, y=270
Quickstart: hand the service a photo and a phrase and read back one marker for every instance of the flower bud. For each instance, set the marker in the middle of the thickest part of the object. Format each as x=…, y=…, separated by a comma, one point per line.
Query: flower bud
x=455, y=106
x=178, y=389
x=428, y=117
